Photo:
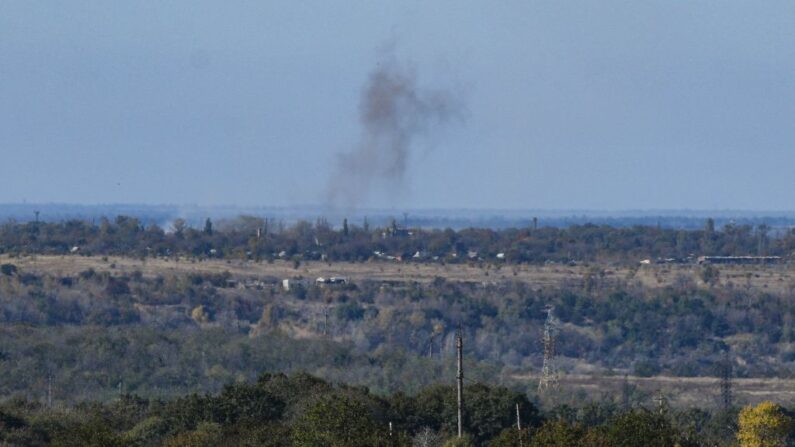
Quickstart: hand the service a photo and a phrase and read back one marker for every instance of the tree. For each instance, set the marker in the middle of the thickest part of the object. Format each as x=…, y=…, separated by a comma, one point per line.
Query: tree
x=208, y=227
x=641, y=427
x=179, y=225
x=459, y=442
x=511, y=437
x=709, y=236
x=199, y=314
x=489, y=410
x=92, y=433
x=336, y=421
x=207, y=434
x=556, y=434
x=427, y=438
x=765, y=425
x=710, y=275
x=8, y=269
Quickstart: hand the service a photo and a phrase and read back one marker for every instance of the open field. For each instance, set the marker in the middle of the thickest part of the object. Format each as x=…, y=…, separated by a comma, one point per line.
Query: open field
x=679, y=391
x=776, y=278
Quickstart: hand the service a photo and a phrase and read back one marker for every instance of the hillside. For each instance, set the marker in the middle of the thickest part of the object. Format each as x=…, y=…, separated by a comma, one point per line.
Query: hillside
x=165, y=326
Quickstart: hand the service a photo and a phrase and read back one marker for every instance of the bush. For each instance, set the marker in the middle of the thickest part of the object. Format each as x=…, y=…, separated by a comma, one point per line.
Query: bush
x=8, y=269
x=464, y=441
x=350, y=312
x=646, y=368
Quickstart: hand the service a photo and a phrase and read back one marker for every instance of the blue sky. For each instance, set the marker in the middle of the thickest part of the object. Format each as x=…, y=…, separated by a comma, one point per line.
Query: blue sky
x=568, y=105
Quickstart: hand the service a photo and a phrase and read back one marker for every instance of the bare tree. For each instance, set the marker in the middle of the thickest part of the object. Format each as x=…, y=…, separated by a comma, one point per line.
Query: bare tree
x=427, y=438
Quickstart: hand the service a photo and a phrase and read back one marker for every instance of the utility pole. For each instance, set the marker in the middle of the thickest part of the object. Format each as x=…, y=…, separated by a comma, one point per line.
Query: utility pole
x=459, y=346
x=726, y=373
x=662, y=402
x=625, y=393
x=518, y=424
x=49, y=391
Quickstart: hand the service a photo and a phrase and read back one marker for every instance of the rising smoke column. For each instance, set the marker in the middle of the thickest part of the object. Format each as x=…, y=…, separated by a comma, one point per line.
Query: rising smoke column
x=393, y=113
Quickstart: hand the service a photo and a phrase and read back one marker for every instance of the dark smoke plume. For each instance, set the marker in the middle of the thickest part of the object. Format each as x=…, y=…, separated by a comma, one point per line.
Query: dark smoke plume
x=394, y=113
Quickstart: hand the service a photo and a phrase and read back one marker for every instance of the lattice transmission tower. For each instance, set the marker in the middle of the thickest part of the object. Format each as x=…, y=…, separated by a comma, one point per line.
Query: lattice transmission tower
x=549, y=372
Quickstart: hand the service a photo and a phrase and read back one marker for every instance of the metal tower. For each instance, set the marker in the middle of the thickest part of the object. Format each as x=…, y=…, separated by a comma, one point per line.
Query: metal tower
x=549, y=372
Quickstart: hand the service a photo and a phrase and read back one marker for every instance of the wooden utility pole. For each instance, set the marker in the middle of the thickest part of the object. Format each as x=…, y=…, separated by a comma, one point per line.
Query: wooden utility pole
x=519, y=424
x=662, y=402
x=49, y=391
x=459, y=345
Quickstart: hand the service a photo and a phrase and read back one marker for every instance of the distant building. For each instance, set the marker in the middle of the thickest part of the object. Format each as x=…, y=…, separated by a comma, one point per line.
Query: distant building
x=331, y=280
x=396, y=231
x=292, y=283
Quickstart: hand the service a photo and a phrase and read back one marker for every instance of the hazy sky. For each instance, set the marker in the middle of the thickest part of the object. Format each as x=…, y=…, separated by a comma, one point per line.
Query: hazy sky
x=598, y=105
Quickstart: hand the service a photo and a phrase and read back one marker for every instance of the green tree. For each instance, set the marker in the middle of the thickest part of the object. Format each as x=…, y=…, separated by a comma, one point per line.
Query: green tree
x=179, y=226
x=464, y=441
x=92, y=433
x=336, y=421
x=511, y=437
x=8, y=269
x=557, y=433
x=207, y=434
x=710, y=275
x=641, y=427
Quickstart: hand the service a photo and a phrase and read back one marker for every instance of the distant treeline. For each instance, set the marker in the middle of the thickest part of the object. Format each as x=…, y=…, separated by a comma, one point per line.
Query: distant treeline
x=256, y=238
x=303, y=411
x=424, y=218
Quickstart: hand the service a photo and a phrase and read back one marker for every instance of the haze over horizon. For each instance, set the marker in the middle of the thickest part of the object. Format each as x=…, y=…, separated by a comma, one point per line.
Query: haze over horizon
x=579, y=106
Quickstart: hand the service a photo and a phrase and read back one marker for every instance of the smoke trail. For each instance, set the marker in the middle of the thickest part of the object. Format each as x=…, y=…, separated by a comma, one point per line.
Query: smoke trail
x=393, y=113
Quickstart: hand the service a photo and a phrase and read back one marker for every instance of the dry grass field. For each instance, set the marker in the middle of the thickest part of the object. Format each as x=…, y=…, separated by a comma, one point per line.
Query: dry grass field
x=679, y=391
x=775, y=279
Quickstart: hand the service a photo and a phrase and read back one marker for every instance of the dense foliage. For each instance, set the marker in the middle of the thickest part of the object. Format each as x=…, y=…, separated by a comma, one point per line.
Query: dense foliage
x=170, y=358
x=275, y=410
x=91, y=333
x=256, y=238
x=301, y=410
